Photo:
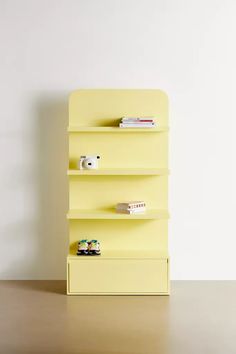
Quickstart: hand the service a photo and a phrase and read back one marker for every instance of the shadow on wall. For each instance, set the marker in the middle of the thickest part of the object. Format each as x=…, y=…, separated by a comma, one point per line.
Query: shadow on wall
x=35, y=232
x=52, y=159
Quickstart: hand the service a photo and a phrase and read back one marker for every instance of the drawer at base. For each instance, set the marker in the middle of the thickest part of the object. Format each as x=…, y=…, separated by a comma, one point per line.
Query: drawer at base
x=126, y=276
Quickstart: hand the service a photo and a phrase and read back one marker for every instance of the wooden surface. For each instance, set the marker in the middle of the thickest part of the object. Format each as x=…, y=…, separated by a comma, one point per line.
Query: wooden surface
x=37, y=317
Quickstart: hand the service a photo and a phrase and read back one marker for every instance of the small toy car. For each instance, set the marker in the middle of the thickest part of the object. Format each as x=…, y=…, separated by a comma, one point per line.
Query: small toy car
x=94, y=248
x=83, y=246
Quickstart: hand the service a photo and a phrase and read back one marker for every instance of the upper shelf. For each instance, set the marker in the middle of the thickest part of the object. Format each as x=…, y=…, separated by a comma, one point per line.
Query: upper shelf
x=120, y=172
x=112, y=214
x=115, y=130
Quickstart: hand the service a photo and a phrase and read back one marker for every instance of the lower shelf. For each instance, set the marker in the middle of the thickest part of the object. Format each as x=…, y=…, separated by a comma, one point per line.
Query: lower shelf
x=122, y=273
x=112, y=214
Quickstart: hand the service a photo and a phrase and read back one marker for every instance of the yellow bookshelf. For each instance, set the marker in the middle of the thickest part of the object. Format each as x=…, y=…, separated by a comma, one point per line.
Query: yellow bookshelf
x=133, y=166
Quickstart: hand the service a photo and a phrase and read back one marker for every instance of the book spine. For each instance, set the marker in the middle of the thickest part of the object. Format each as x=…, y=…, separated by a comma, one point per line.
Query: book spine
x=137, y=121
x=122, y=211
x=135, y=205
x=138, y=125
x=133, y=211
x=137, y=118
x=138, y=210
x=131, y=205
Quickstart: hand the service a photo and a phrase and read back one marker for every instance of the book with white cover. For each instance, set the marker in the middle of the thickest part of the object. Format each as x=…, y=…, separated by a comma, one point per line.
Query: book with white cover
x=137, y=125
x=137, y=121
x=131, y=211
x=134, y=119
x=133, y=204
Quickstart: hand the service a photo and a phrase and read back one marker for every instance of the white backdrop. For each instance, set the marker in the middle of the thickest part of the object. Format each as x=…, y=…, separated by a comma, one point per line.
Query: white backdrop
x=51, y=47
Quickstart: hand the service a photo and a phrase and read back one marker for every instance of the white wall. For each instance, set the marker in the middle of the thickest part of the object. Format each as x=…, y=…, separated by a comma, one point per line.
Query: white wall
x=51, y=47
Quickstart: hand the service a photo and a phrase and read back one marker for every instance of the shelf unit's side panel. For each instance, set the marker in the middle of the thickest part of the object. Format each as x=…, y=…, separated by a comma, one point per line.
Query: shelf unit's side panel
x=105, y=107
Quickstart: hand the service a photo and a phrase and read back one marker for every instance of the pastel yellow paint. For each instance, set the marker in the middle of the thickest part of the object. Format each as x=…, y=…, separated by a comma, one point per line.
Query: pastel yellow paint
x=118, y=276
x=120, y=172
x=130, y=150
x=133, y=166
x=79, y=129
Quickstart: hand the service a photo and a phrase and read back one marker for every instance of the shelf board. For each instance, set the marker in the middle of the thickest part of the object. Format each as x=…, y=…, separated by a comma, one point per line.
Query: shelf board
x=120, y=172
x=122, y=254
x=112, y=214
x=78, y=129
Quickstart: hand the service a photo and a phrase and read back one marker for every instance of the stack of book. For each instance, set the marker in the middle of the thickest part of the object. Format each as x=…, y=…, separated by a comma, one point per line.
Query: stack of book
x=131, y=207
x=137, y=122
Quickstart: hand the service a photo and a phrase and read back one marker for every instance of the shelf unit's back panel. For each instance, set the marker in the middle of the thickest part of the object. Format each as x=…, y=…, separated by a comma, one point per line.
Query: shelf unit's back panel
x=122, y=235
x=98, y=108
x=98, y=192
x=130, y=150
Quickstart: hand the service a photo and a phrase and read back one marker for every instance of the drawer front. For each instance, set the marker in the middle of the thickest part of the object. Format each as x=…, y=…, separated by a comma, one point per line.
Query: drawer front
x=118, y=276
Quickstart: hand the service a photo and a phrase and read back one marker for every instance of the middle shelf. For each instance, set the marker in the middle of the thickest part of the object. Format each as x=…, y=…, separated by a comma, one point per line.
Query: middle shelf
x=120, y=172
x=74, y=214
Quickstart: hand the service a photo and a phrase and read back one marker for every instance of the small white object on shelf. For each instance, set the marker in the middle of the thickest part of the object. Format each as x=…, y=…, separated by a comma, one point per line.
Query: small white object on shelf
x=134, y=211
x=87, y=162
x=137, y=122
x=131, y=207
